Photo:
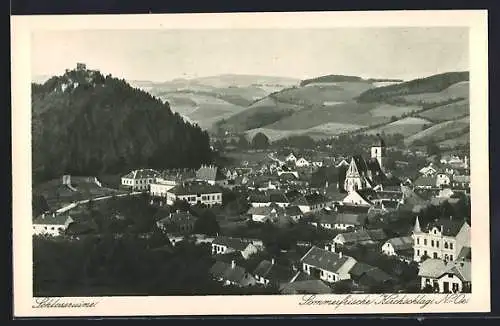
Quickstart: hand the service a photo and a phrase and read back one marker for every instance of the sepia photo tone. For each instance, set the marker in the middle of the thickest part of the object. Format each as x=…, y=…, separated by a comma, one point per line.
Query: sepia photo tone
x=243, y=161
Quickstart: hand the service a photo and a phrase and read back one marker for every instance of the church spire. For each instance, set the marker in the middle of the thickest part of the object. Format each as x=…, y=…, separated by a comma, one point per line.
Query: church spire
x=416, y=227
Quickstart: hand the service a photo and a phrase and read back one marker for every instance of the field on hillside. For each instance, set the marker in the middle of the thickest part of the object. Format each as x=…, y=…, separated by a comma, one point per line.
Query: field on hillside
x=317, y=94
x=458, y=90
x=440, y=131
x=388, y=110
x=453, y=142
x=351, y=113
x=320, y=131
x=406, y=127
x=447, y=112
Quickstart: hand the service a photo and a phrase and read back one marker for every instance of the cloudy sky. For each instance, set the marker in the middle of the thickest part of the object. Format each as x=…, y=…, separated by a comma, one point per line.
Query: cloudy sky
x=160, y=55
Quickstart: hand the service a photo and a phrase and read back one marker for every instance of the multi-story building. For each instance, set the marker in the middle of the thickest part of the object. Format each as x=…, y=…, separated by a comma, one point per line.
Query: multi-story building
x=140, y=179
x=195, y=193
x=441, y=239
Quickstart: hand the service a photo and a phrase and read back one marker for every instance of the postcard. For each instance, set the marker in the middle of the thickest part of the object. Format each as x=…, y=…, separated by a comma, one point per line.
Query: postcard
x=250, y=163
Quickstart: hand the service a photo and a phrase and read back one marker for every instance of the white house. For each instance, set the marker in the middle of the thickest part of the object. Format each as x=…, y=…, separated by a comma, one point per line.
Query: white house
x=401, y=247
x=442, y=179
x=140, y=179
x=442, y=239
x=326, y=265
x=225, y=245
x=291, y=158
x=195, y=193
x=51, y=224
x=302, y=162
x=161, y=187
x=428, y=170
x=442, y=277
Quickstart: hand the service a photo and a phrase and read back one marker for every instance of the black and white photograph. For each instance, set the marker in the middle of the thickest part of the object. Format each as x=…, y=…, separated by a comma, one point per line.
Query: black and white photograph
x=239, y=161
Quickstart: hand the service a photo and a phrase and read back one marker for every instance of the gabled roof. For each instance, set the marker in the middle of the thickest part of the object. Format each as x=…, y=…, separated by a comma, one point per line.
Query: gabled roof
x=195, y=188
x=432, y=268
x=209, y=173
x=328, y=260
x=273, y=272
x=450, y=227
x=178, y=217
x=425, y=181
x=265, y=210
x=293, y=210
x=465, y=254
x=234, y=243
x=225, y=271
x=313, y=199
x=401, y=243
x=53, y=220
x=306, y=287
x=352, y=209
x=142, y=174
x=462, y=269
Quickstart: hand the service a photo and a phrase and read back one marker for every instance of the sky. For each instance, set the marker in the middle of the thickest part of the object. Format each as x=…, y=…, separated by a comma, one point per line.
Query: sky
x=162, y=55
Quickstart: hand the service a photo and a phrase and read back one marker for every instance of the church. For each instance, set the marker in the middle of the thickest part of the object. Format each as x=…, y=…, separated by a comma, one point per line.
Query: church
x=362, y=174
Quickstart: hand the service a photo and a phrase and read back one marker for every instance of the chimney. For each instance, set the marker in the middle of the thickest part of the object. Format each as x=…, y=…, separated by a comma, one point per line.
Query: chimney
x=272, y=261
x=233, y=264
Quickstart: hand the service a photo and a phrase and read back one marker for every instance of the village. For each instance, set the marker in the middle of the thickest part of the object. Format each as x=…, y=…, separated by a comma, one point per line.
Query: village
x=279, y=219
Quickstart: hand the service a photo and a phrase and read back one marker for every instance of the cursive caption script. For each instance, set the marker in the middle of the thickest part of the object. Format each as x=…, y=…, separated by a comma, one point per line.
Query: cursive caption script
x=63, y=303
x=422, y=300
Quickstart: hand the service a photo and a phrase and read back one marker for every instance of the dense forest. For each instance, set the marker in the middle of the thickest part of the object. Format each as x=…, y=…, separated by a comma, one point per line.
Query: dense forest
x=432, y=84
x=86, y=123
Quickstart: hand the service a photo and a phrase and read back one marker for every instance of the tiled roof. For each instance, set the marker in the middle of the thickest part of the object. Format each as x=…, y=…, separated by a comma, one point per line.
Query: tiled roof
x=273, y=272
x=451, y=227
x=401, y=243
x=293, y=210
x=234, y=243
x=313, y=199
x=53, y=220
x=178, y=217
x=352, y=209
x=464, y=254
x=225, y=271
x=195, y=188
x=306, y=287
x=431, y=268
x=424, y=181
x=142, y=174
x=328, y=260
x=462, y=269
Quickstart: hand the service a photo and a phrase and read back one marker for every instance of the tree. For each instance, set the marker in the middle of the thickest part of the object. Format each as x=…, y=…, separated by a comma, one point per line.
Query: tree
x=207, y=224
x=243, y=142
x=260, y=141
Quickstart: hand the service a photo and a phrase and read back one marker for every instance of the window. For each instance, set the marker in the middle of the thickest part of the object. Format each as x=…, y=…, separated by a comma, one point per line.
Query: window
x=435, y=231
x=446, y=245
x=445, y=256
x=432, y=243
x=45, y=227
x=425, y=242
x=454, y=287
x=322, y=273
x=451, y=245
x=203, y=197
x=52, y=228
x=418, y=252
x=425, y=252
x=435, y=255
x=418, y=240
x=437, y=244
x=451, y=257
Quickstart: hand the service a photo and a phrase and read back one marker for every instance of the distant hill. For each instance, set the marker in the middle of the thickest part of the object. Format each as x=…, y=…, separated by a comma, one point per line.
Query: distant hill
x=85, y=123
x=432, y=84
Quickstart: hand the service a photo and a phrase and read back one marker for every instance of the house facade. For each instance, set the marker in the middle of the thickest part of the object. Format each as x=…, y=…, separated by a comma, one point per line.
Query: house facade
x=51, y=224
x=140, y=180
x=326, y=265
x=231, y=274
x=441, y=277
x=195, y=193
x=224, y=245
x=442, y=239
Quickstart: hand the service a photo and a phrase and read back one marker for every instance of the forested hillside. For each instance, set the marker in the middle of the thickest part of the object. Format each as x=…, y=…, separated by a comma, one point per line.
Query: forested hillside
x=86, y=123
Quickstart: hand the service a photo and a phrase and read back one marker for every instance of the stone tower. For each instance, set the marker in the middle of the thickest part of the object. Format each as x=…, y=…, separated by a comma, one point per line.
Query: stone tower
x=378, y=152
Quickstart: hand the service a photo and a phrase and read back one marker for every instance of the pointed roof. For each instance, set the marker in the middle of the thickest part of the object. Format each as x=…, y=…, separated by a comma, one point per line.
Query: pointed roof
x=416, y=227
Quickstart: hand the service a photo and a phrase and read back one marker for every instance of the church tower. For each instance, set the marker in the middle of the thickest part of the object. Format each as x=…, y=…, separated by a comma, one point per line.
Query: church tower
x=353, y=179
x=378, y=152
